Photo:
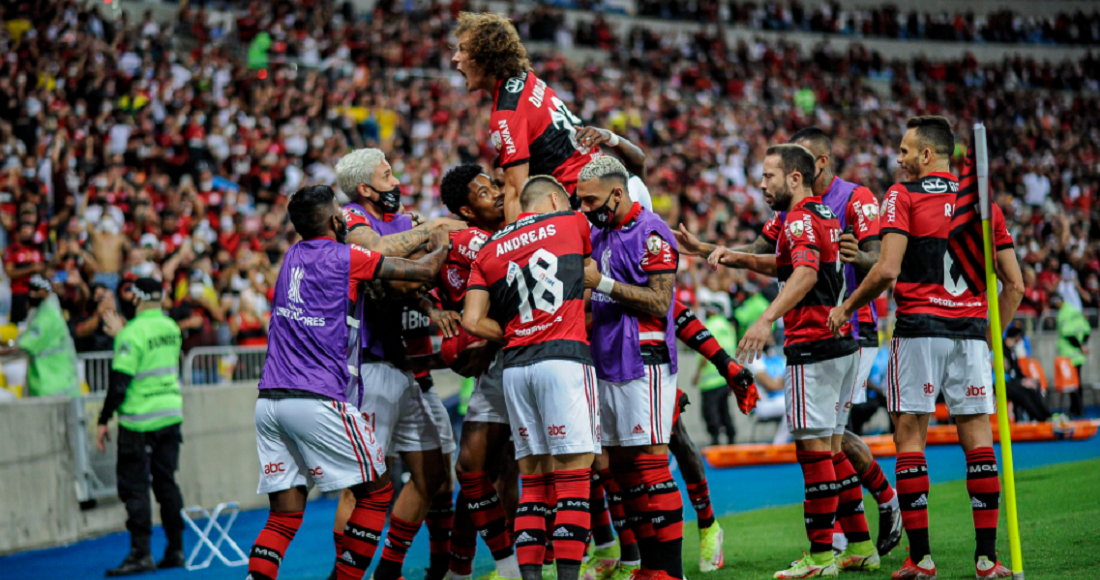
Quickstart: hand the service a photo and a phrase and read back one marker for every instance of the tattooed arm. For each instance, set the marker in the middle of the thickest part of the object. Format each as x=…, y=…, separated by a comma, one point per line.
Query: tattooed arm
x=423, y=270
x=761, y=245
x=654, y=299
x=401, y=245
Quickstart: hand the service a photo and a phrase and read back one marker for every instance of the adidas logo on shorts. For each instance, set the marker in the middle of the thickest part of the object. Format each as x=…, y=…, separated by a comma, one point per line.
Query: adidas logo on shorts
x=976, y=503
x=922, y=501
x=562, y=533
x=638, y=430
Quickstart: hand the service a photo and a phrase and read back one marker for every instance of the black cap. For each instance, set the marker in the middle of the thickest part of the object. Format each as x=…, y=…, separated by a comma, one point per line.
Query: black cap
x=148, y=289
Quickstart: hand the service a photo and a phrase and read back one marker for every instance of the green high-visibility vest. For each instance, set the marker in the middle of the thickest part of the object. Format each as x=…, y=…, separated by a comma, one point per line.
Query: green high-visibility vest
x=52, y=366
x=148, y=349
x=726, y=335
x=1073, y=327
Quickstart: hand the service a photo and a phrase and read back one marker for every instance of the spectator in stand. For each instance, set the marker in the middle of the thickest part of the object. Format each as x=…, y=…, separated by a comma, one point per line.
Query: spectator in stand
x=89, y=325
x=196, y=312
x=1023, y=392
x=248, y=326
x=1073, y=339
x=716, y=393
x=22, y=259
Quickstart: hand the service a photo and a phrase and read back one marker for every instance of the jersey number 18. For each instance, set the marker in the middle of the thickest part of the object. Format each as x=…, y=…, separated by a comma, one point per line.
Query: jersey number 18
x=544, y=268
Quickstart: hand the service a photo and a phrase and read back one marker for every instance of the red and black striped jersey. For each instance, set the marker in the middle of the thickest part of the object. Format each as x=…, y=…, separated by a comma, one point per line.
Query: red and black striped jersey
x=534, y=273
x=855, y=206
x=811, y=238
x=932, y=297
x=465, y=245
x=530, y=124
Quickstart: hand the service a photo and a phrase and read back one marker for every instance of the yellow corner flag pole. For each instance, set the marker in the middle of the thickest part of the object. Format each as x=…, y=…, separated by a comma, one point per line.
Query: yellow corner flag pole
x=998, y=352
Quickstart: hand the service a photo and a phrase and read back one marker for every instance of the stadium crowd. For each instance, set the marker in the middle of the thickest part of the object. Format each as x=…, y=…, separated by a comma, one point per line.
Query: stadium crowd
x=889, y=21
x=131, y=150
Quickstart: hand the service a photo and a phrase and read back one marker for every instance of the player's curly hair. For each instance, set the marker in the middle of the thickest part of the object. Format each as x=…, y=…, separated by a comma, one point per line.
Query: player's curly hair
x=455, y=188
x=493, y=44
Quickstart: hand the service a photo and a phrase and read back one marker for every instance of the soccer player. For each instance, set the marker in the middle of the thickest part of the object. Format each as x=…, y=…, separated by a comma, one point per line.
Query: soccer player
x=821, y=368
x=633, y=346
x=857, y=208
x=404, y=418
x=939, y=342
x=530, y=277
x=693, y=333
x=531, y=128
x=469, y=192
x=306, y=431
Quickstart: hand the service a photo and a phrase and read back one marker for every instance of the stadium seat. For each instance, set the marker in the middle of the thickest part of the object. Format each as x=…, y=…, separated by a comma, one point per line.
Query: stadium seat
x=1066, y=380
x=1034, y=370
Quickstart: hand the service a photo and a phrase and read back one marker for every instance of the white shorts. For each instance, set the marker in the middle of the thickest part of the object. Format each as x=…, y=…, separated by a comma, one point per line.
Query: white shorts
x=398, y=411
x=921, y=367
x=639, y=412
x=314, y=441
x=442, y=421
x=553, y=408
x=486, y=403
x=819, y=396
x=867, y=357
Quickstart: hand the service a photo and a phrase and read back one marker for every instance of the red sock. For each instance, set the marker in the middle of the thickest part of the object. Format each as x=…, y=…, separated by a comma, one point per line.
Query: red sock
x=699, y=494
x=463, y=540
x=666, y=511
x=398, y=542
x=267, y=553
x=534, y=501
x=636, y=505
x=487, y=512
x=572, y=520
x=615, y=504
x=912, y=477
x=984, y=488
x=876, y=483
x=602, y=533
x=440, y=520
x=362, y=534
x=338, y=539
x=821, y=498
x=849, y=509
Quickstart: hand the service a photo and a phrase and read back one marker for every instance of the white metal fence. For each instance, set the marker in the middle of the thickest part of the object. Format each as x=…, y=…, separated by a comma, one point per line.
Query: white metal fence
x=205, y=366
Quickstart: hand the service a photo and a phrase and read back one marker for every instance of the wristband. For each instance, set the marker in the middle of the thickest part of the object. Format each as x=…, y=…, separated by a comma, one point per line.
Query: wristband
x=613, y=141
x=605, y=286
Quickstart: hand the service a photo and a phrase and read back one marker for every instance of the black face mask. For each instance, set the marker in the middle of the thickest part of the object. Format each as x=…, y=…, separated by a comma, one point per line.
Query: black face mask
x=341, y=231
x=603, y=216
x=389, y=201
x=127, y=309
x=35, y=302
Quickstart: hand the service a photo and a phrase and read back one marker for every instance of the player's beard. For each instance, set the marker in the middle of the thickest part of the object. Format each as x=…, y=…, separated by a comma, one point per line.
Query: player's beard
x=781, y=199
x=342, y=231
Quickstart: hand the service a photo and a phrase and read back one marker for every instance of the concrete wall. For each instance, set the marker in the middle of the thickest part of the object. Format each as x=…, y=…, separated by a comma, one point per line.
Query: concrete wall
x=38, y=505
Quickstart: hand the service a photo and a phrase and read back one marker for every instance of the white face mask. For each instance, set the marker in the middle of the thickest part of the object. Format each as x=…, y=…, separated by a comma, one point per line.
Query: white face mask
x=196, y=291
x=109, y=226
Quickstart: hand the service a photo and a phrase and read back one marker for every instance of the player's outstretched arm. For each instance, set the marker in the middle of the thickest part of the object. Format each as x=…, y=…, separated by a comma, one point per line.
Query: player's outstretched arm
x=475, y=316
x=885, y=271
x=423, y=270
x=761, y=264
x=403, y=244
x=761, y=246
x=514, y=178
x=800, y=283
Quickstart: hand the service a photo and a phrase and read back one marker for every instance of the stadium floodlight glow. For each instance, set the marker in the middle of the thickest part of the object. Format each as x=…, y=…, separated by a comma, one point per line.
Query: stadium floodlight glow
x=982, y=169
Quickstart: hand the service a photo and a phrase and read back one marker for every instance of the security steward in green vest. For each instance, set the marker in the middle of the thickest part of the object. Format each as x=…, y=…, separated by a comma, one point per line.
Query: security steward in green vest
x=51, y=370
x=145, y=391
